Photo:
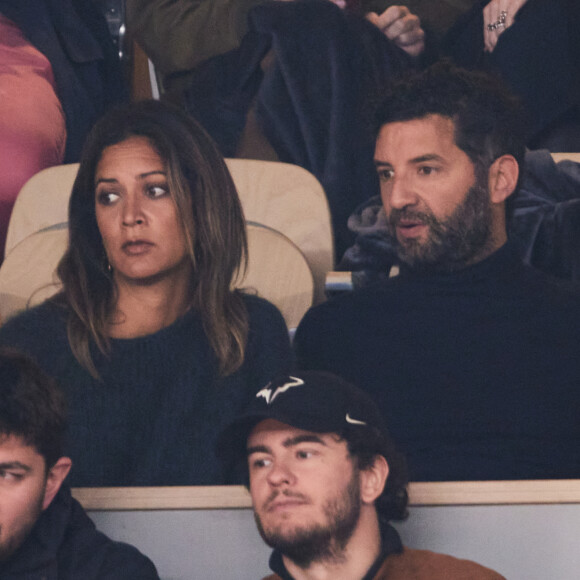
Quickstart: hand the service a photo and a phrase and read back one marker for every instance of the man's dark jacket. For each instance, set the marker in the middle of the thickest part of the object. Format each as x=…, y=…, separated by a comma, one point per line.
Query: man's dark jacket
x=65, y=545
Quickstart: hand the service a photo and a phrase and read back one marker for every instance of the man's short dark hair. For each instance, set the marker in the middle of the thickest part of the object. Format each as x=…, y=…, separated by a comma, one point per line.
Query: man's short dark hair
x=32, y=407
x=488, y=119
x=364, y=445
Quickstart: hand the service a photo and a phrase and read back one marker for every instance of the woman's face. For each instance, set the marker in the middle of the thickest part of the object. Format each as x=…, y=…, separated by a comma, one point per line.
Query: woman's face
x=137, y=216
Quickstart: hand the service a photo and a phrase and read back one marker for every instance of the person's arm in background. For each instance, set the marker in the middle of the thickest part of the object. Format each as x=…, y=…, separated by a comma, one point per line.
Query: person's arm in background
x=396, y=22
x=180, y=34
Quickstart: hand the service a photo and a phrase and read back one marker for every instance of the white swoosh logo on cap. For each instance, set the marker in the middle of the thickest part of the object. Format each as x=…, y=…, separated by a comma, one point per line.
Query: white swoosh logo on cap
x=354, y=421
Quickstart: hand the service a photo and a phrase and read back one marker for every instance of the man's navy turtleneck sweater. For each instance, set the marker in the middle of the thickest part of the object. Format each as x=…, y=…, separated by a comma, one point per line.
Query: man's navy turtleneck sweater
x=477, y=371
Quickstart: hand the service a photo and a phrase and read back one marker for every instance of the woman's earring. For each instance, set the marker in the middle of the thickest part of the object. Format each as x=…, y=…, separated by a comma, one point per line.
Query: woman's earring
x=106, y=264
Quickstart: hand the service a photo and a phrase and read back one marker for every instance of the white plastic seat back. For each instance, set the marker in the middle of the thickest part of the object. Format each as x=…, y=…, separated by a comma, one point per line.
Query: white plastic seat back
x=28, y=274
x=41, y=203
x=288, y=199
x=279, y=272
x=566, y=157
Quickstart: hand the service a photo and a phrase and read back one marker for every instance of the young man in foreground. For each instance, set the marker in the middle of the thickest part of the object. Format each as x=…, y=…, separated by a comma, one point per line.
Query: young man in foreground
x=44, y=532
x=325, y=481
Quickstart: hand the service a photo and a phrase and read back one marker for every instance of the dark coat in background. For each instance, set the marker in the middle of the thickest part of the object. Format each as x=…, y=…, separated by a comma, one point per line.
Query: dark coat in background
x=312, y=103
x=539, y=58
x=65, y=545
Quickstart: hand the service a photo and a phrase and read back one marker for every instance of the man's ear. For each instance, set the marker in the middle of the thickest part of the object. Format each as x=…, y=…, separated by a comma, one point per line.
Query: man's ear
x=503, y=178
x=56, y=475
x=373, y=480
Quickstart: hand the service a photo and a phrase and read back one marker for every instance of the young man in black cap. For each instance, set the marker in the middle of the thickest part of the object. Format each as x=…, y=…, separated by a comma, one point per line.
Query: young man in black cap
x=325, y=481
x=44, y=532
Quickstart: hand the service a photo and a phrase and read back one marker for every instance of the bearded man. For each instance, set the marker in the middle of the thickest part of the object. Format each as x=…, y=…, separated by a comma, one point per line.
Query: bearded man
x=471, y=356
x=325, y=481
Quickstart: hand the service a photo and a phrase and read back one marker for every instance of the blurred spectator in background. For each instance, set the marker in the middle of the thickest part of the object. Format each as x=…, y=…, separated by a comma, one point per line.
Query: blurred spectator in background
x=533, y=45
x=178, y=36
x=59, y=71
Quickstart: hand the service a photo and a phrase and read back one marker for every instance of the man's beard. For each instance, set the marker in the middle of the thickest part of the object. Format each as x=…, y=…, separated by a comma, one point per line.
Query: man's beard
x=319, y=542
x=451, y=243
x=10, y=545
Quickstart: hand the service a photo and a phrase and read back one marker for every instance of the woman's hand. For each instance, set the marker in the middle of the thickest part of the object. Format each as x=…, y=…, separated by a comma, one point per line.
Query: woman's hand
x=402, y=27
x=498, y=16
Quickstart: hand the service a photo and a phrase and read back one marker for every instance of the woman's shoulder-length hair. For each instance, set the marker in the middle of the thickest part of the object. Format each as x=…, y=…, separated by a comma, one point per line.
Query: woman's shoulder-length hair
x=211, y=216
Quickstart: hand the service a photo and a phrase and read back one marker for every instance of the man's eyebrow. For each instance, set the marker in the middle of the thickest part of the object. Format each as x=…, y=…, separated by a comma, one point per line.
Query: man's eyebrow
x=427, y=157
x=290, y=442
x=303, y=439
x=15, y=465
x=257, y=449
x=414, y=161
x=140, y=176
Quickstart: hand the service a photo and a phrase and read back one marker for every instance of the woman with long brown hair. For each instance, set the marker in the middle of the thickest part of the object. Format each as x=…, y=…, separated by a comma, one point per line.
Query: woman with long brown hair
x=153, y=346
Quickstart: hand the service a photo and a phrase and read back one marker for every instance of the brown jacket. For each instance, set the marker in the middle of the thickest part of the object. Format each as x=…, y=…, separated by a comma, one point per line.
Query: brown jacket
x=425, y=565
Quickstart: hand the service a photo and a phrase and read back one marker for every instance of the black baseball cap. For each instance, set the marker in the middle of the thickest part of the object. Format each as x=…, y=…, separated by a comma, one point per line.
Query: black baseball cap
x=309, y=400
